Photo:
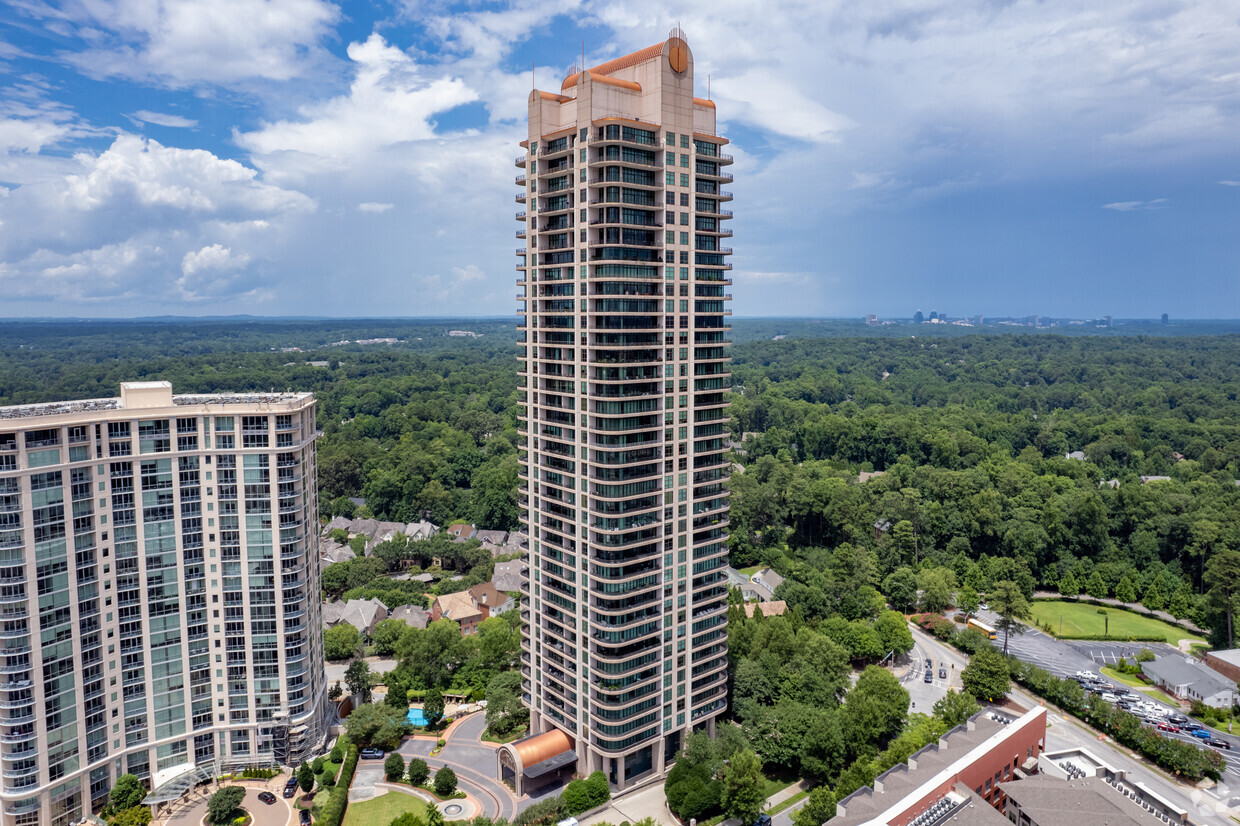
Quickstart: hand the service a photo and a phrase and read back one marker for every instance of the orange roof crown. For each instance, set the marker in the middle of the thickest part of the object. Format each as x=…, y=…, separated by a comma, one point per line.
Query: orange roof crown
x=648, y=53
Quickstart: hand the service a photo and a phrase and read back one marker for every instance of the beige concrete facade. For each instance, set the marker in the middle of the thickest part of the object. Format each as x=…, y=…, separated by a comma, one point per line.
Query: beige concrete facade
x=159, y=593
x=626, y=369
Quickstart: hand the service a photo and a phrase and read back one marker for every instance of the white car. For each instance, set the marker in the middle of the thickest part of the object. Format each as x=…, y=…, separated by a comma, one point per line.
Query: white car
x=1108, y=697
x=1087, y=675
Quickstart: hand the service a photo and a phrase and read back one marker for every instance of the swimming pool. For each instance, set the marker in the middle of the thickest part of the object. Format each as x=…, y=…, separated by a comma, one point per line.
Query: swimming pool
x=416, y=717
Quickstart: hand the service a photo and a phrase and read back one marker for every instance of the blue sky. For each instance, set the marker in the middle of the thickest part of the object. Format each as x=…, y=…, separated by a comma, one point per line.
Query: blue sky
x=298, y=157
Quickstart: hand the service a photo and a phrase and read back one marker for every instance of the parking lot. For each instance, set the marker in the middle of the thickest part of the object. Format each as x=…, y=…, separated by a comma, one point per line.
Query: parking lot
x=1065, y=658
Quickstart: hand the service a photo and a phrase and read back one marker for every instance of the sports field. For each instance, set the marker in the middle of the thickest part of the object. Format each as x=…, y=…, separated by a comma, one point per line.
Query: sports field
x=1073, y=620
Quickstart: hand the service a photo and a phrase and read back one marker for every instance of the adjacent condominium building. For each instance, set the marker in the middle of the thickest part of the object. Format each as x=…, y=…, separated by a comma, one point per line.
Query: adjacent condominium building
x=626, y=374
x=159, y=594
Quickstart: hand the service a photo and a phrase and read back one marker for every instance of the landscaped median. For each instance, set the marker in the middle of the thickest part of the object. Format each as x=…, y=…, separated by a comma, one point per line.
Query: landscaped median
x=333, y=812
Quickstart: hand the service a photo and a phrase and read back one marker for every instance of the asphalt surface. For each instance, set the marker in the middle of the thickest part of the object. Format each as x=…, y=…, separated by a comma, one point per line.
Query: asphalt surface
x=1205, y=807
x=1065, y=658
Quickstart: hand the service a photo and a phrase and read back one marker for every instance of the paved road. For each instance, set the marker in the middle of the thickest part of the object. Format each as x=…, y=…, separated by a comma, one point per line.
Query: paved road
x=474, y=764
x=1064, y=658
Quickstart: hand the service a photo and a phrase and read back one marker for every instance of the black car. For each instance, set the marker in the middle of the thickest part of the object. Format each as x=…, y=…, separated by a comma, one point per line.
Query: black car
x=1119, y=690
x=1177, y=718
x=929, y=663
x=303, y=817
x=763, y=820
x=267, y=797
x=929, y=676
x=1219, y=744
x=1189, y=725
x=371, y=754
x=290, y=788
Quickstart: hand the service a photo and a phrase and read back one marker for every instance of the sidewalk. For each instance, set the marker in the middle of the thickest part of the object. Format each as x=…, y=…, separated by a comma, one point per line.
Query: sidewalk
x=651, y=802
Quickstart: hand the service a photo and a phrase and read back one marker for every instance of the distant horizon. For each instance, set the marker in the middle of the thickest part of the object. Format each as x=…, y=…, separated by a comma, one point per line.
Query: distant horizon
x=860, y=319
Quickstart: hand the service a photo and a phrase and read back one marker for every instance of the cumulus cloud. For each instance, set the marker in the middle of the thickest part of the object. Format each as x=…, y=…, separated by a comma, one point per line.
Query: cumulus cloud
x=1133, y=206
x=155, y=175
x=117, y=222
x=182, y=43
x=391, y=100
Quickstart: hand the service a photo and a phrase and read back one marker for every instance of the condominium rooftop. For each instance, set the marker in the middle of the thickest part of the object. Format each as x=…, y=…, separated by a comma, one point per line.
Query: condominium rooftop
x=141, y=394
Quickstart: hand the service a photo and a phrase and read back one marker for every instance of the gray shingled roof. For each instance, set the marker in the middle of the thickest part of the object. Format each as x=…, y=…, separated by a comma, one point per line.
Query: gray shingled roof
x=1178, y=670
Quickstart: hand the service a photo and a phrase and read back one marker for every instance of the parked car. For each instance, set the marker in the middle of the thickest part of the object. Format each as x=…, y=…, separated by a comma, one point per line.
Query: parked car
x=1119, y=689
x=1171, y=727
x=1177, y=718
x=1190, y=725
x=763, y=820
x=303, y=817
x=267, y=797
x=290, y=787
x=371, y=754
x=1108, y=697
x=1219, y=744
x=1202, y=733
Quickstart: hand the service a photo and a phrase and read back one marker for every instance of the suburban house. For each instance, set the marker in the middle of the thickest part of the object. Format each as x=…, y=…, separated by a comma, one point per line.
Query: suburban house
x=1187, y=679
x=419, y=531
x=491, y=539
x=461, y=531
x=362, y=614
x=509, y=575
x=768, y=609
x=415, y=616
x=767, y=579
x=332, y=552
x=472, y=606
x=460, y=608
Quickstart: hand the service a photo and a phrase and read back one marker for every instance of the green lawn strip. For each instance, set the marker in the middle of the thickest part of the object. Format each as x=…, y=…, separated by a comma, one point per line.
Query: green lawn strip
x=383, y=809
x=789, y=803
x=1077, y=619
x=1126, y=679
x=750, y=571
x=487, y=738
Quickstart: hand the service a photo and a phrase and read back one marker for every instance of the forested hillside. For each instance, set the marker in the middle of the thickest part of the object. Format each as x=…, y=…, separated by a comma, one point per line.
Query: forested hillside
x=971, y=435
x=970, y=431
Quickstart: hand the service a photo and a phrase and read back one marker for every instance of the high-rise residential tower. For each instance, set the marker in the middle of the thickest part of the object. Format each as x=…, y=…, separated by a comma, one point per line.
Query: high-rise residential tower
x=626, y=370
x=159, y=594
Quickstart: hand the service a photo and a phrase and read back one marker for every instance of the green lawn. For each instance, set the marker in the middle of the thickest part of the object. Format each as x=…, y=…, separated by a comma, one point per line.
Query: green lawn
x=750, y=571
x=383, y=809
x=1126, y=679
x=1071, y=620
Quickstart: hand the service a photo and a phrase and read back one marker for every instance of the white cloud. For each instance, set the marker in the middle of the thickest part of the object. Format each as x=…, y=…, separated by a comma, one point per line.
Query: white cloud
x=113, y=226
x=162, y=119
x=1132, y=206
x=214, y=257
x=470, y=272
x=391, y=101
x=159, y=176
x=374, y=207
x=183, y=43
x=1229, y=183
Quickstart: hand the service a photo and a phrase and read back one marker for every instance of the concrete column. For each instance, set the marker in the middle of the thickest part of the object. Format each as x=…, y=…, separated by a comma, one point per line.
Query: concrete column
x=659, y=756
x=620, y=773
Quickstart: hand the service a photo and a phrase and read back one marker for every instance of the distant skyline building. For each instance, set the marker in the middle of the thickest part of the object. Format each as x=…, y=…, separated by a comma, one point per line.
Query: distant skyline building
x=159, y=594
x=626, y=369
